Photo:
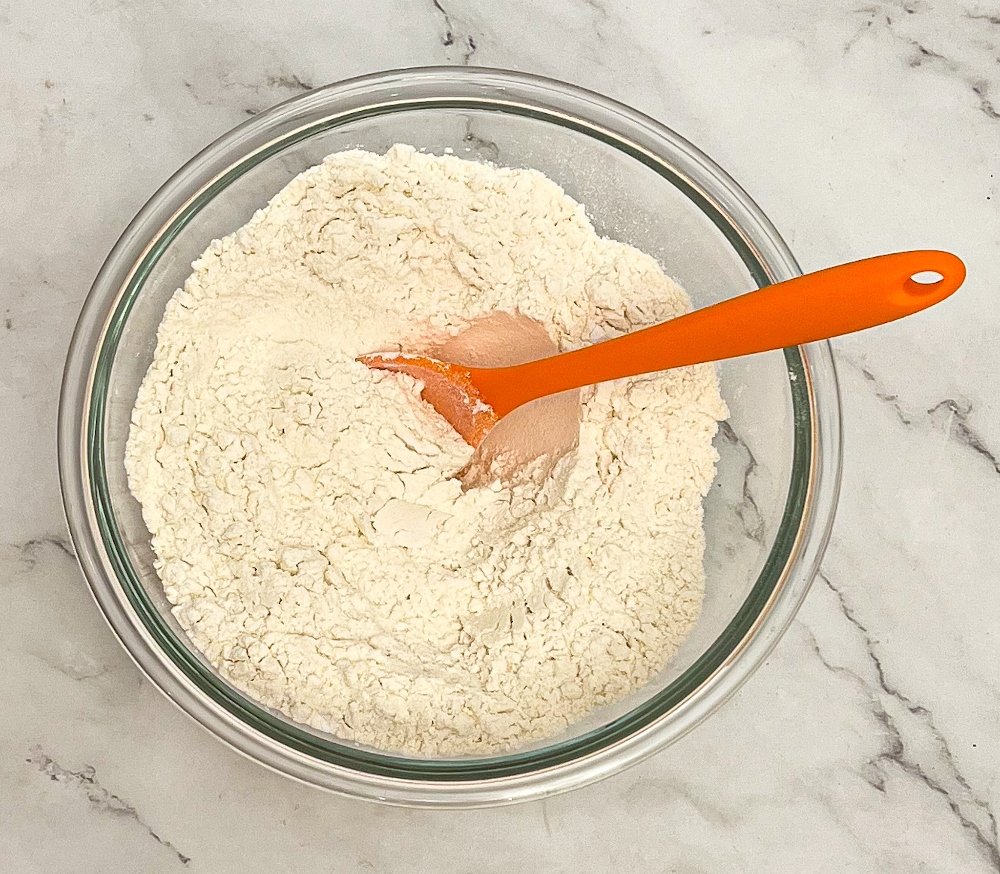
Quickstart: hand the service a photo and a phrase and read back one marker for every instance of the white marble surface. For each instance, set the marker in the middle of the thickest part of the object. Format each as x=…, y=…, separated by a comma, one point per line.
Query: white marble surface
x=869, y=742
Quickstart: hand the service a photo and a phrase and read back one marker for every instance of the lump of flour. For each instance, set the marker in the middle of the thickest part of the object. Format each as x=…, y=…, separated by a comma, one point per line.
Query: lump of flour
x=309, y=517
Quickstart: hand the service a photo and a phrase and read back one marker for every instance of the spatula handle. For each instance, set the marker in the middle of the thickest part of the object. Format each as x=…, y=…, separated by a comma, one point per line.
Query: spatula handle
x=828, y=303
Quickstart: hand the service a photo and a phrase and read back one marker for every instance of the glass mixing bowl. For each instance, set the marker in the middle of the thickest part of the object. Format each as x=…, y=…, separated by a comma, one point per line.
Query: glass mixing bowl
x=768, y=515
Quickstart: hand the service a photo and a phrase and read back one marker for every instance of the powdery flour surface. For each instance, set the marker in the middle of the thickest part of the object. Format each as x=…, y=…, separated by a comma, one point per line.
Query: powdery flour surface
x=308, y=519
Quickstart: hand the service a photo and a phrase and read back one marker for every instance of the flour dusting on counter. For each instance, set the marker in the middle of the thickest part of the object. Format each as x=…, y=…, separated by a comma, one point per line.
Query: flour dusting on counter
x=310, y=520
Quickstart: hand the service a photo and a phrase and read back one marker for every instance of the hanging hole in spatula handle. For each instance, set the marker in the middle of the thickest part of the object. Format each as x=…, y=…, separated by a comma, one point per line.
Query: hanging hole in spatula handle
x=835, y=301
x=928, y=276
x=862, y=294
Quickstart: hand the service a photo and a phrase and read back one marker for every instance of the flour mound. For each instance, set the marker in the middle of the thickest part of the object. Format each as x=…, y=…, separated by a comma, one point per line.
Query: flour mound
x=308, y=517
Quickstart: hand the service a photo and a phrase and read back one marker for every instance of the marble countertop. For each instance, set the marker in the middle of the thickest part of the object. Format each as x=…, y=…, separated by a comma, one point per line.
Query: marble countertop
x=868, y=742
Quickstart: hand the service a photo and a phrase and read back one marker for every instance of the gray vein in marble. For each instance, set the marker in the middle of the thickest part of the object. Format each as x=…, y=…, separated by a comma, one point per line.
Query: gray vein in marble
x=272, y=84
x=601, y=18
x=101, y=799
x=460, y=38
x=651, y=792
x=290, y=82
x=485, y=149
x=747, y=509
x=985, y=104
x=284, y=82
x=982, y=16
x=871, y=11
x=545, y=818
x=880, y=392
x=922, y=54
x=984, y=831
x=957, y=426
x=979, y=86
x=78, y=669
x=456, y=38
x=951, y=415
x=28, y=550
x=972, y=812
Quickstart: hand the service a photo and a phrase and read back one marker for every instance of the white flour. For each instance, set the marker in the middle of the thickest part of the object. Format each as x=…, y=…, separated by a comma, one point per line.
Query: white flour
x=306, y=515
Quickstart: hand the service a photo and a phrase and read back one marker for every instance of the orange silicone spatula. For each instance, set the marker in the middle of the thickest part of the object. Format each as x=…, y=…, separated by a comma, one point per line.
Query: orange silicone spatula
x=817, y=306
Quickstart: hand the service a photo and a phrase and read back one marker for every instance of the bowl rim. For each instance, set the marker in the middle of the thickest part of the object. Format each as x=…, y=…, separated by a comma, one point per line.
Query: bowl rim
x=747, y=229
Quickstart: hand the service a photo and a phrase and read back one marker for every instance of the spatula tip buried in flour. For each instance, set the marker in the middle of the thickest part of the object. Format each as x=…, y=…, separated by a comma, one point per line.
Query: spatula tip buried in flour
x=449, y=388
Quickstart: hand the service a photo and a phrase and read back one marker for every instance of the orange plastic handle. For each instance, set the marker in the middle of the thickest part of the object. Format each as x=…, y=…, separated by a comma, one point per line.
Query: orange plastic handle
x=816, y=306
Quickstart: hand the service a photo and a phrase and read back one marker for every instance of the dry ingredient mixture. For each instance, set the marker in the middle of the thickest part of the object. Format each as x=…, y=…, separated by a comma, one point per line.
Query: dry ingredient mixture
x=310, y=518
